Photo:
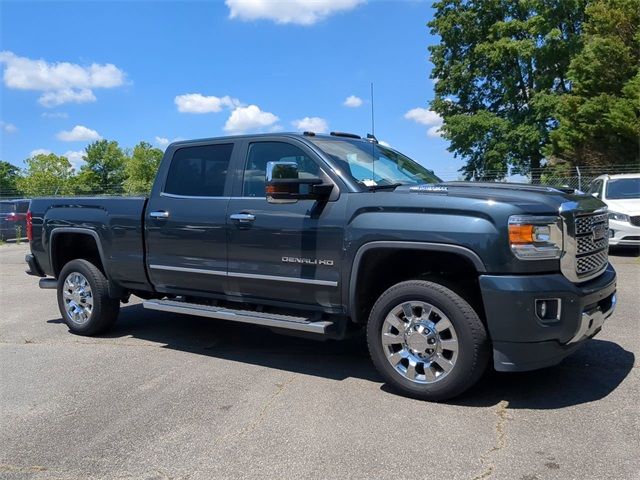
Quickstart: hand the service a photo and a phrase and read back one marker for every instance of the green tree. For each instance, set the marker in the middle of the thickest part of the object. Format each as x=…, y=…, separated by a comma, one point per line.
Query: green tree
x=103, y=170
x=47, y=175
x=599, y=120
x=141, y=168
x=501, y=66
x=9, y=175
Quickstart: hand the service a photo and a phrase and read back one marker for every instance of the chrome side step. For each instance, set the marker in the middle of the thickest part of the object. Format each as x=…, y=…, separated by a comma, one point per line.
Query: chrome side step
x=245, y=316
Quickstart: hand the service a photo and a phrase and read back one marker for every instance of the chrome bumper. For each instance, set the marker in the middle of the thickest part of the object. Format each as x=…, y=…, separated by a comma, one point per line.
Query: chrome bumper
x=592, y=321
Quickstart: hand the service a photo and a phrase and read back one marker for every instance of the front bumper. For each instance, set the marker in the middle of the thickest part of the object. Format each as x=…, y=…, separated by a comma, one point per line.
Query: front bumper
x=521, y=340
x=623, y=233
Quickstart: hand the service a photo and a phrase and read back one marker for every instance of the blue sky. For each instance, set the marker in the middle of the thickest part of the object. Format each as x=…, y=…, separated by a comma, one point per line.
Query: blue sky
x=158, y=71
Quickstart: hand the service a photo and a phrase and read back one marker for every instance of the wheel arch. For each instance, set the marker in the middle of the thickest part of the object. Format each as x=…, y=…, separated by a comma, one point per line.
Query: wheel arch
x=468, y=258
x=89, y=247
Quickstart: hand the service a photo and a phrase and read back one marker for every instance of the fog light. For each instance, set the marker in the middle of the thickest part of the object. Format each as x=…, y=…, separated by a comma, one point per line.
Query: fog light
x=548, y=309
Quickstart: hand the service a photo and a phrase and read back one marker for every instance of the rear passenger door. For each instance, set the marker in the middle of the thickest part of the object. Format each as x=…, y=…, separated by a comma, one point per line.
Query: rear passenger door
x=286, y=252
x=185, y=220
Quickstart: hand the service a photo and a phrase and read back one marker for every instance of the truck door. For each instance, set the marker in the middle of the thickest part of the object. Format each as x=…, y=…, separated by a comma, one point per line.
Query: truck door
x=288, y=252
x=185, y=221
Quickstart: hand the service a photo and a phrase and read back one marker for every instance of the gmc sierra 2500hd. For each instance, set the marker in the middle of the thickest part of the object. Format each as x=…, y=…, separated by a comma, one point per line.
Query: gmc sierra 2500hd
x=325, y=234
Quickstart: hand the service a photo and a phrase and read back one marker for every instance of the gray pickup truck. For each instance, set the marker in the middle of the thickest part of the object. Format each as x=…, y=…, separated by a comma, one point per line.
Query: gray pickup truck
x=323, y=235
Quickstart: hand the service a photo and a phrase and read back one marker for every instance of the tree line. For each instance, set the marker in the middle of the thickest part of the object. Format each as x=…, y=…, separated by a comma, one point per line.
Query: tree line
x=538, y=83
x=107, y=169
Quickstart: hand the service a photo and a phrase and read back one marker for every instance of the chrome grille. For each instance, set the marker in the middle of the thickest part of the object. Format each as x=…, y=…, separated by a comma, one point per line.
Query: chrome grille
x=587, y=244
x=592, y=243
x=591, y=263
x=586, y=223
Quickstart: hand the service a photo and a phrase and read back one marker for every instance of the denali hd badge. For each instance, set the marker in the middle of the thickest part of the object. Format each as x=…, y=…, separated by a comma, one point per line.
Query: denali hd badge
x=307, y=261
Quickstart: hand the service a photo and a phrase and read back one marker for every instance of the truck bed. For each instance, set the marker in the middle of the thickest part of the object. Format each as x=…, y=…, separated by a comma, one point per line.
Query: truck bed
x=116, y=224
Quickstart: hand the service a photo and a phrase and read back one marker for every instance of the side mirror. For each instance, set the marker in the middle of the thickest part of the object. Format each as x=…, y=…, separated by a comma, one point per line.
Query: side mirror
x=283, y=184
x=595, y=194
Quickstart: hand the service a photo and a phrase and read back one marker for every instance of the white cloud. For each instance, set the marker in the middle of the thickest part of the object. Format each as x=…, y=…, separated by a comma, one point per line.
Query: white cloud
x=162, y=142
x=311, y=124
x=301, y=12
x=426, y=117
x=61, y=82
x=68, y=95
x=423, y=116
x=198, y=103
x=39, y=151
x=434, y=132
x=75, y=157
x=54, y=115
x=78, y=133
x=249, y=118
x=8, y=127
x=26, y=74
x=352, y=101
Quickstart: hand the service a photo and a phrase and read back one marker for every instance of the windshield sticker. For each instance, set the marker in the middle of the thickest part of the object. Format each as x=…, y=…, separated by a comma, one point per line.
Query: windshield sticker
x=429, y=189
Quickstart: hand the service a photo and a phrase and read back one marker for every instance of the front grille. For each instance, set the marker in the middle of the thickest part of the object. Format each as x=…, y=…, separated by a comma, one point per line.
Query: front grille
x=592, y=243
x=591, y=263
x=586, y=223
x=635, y=221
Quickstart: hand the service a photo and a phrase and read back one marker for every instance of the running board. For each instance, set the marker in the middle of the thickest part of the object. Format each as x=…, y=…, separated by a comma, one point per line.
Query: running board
x=245, y=316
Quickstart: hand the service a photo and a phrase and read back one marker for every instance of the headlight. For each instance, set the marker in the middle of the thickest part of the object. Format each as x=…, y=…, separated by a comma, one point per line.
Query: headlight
x=620, y=217
x=535, y=238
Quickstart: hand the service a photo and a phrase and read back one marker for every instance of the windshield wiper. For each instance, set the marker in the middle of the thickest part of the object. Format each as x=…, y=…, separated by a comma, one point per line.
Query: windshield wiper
x=391, y=186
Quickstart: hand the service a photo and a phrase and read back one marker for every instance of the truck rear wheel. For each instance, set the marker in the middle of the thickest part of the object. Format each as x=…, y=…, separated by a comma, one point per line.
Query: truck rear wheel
x=83, y=299
x=426, y=340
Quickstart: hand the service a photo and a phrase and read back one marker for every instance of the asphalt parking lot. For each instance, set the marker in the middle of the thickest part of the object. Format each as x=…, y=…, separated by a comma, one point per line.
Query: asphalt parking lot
x=165, y=396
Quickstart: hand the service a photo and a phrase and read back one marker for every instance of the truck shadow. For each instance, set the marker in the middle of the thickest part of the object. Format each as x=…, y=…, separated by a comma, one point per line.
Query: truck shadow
x=588, y=375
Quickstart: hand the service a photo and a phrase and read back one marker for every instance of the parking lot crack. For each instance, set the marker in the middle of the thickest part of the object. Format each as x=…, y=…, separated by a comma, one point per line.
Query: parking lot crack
x=487, y=459
x=18, y=469
x=267, y=405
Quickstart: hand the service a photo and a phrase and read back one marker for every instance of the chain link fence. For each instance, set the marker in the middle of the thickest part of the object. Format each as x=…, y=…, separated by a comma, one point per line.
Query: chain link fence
x=565, y=176
x=579, y=178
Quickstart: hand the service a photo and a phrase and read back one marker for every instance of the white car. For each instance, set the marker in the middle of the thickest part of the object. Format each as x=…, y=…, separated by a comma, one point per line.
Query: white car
x=621, y=193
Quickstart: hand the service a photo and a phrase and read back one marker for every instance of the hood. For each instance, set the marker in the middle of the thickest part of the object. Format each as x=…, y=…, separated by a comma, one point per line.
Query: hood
x=628, y=206
x=532, y=198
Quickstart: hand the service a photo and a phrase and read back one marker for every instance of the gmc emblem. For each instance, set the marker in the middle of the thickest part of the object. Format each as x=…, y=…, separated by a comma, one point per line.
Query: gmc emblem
x=599, y=232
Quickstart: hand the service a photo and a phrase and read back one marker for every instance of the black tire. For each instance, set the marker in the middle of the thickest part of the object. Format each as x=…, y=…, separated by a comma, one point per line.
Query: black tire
x=473, y=346
x=105, y=309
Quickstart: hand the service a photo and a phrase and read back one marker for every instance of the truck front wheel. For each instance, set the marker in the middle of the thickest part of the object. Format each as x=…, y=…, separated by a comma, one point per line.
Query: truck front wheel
x=426, y=340
x=83, y=298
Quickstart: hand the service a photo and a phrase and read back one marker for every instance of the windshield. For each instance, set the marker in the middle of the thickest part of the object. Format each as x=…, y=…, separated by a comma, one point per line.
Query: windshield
x=355, y=158
x=622, y=188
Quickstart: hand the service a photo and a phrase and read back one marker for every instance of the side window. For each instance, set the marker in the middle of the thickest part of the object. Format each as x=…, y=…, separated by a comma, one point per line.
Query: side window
x=262, y=152
x=596, y=188
x=199, y=171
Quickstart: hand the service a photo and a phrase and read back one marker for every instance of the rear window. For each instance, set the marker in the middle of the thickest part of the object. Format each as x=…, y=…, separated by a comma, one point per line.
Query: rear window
x=7, y=207
x=199, y=171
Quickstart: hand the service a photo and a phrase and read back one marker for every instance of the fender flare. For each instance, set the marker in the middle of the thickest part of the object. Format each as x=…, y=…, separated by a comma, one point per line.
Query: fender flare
x=115, y=291
x=465, y=252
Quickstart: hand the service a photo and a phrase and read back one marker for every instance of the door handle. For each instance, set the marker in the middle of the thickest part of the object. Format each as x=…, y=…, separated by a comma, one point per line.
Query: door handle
x=243, y=217
x=159, y=214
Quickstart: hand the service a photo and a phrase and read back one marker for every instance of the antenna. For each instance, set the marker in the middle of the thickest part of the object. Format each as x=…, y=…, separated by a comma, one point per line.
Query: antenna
x=373, y=134
x=373, y=125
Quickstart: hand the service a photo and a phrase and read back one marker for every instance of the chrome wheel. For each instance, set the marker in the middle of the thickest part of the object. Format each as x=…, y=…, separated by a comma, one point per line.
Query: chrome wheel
x=78, y=298
x=419, y=342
